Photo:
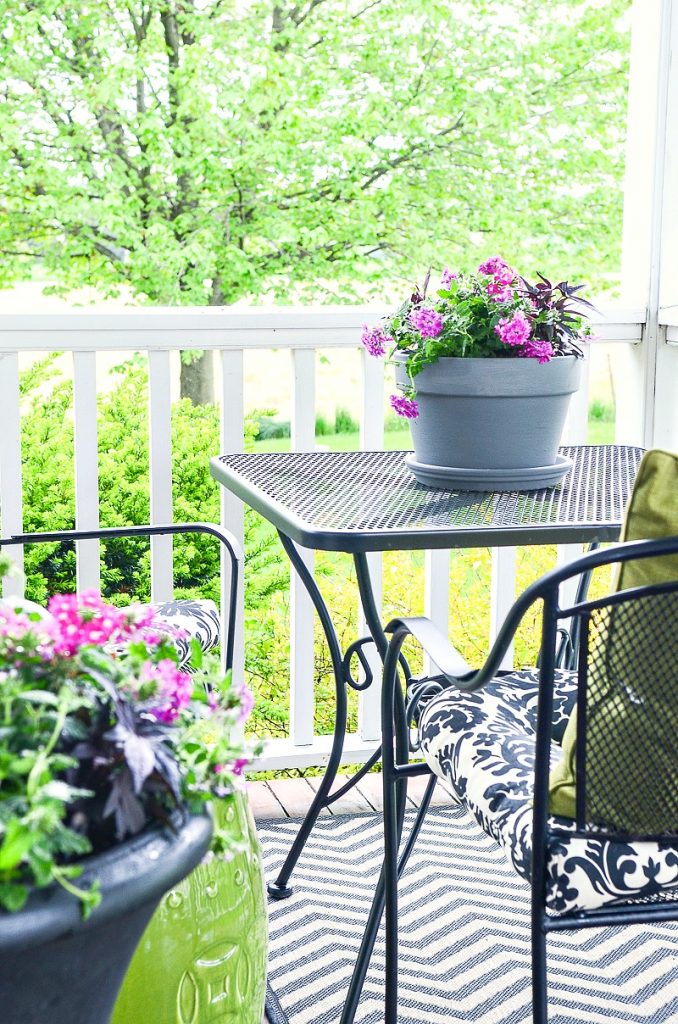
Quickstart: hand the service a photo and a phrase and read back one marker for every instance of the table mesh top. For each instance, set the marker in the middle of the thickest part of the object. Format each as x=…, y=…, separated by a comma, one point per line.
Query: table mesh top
x=374, y=493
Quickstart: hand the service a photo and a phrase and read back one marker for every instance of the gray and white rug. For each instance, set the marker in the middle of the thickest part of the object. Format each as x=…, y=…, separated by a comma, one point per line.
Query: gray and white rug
x=464, y=935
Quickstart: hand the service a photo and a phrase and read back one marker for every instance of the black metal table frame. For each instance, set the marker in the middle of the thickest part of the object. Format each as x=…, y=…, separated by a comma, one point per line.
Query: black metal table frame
x=236, y=473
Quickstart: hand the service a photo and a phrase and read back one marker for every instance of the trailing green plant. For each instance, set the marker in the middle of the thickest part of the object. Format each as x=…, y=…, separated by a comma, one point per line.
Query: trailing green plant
x=102, y=732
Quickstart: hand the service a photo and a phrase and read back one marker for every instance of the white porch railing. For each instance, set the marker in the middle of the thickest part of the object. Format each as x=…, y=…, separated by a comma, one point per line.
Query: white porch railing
x=231, y=333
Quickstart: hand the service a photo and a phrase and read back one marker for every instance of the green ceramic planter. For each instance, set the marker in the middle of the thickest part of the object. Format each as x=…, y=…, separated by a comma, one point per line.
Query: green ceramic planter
x=202, y=959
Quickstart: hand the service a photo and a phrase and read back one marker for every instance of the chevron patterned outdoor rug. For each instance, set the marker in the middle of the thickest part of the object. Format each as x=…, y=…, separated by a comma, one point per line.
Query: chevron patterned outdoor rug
x=464, y=935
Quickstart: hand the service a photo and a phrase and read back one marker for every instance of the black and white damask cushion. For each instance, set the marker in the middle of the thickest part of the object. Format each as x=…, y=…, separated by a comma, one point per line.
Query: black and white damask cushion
x=483, y=745
x=185, y=620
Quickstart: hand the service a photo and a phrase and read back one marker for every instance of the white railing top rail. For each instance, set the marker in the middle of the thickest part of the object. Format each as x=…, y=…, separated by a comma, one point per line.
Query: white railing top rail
x=223, y=327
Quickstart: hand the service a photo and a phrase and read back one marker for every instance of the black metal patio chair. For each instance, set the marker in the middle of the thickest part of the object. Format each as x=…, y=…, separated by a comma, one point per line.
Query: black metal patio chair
x=198, y=619
x=494, y=738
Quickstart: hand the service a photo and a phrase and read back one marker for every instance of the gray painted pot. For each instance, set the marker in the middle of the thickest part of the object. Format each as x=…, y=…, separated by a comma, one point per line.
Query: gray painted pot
x=58, y=968
x=491, y=423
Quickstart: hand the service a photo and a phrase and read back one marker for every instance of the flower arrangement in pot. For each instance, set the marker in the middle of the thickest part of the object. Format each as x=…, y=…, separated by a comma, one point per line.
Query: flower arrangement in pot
x=109, y=754
x=485, y=370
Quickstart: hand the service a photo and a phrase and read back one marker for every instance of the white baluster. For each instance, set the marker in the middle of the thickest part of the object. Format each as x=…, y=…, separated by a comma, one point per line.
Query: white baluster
x=301, y=608
x=502, y=594
x=160, y=452
x=372, y=439
x=10, y=465
x=86, y=466
x=232, y=511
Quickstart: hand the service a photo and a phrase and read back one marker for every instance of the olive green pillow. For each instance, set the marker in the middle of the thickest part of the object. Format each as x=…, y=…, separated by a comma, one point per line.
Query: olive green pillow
x=652, y=513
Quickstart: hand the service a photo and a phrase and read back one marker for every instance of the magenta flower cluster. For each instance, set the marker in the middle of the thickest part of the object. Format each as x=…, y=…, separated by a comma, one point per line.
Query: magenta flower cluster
x=80, y=620
x=500, y=288
x=403, y=406
x=515, y=330
x=536, y=348
x=374, y=340
x=447, y=277
x=173, y=689
x=426, y=321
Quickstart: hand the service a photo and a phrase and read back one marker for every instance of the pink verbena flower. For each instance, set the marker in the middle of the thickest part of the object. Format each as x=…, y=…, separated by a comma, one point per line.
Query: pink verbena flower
x=239, y=765
x=174, y=689
x=514, y=331
x=406, y=407
x=535, y=348
x=447, y=278
x=79, y=620
x=500, y=288
x=426, y=321
x=12, y=623
x=374, y=339
x=492, y=266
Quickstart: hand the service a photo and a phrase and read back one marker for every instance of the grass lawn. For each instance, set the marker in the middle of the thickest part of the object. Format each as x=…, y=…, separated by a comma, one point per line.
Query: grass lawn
x=600, y=432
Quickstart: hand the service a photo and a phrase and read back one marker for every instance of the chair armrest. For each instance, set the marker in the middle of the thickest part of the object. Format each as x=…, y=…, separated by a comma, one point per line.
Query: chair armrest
x=228, y=541
x=446, y=656
x=146, y=530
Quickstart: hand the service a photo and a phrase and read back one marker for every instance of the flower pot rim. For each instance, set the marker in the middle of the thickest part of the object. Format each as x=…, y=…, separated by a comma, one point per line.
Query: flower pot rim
x=402, y=354
x=130, y=873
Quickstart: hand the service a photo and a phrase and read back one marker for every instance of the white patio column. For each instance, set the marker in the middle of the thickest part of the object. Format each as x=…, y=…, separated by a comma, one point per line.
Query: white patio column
x=646, y=375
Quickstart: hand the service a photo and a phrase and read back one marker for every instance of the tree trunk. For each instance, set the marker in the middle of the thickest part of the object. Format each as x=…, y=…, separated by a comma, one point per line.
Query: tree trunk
x=197, y=378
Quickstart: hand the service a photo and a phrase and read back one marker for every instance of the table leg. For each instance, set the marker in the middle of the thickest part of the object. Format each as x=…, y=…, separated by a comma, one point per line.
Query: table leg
x=279, y=889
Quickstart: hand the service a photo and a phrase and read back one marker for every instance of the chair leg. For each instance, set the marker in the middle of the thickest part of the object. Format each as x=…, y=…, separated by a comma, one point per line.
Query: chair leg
x=539, y=993
x=391, y=843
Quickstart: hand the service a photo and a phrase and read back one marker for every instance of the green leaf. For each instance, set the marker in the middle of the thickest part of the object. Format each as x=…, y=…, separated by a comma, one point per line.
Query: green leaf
x=39, y=697
x=13, y=896
x=197, y=654
x=16, y=842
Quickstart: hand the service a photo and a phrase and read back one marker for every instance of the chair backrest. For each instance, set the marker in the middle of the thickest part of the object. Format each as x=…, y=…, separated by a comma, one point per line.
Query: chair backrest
x=627, y=712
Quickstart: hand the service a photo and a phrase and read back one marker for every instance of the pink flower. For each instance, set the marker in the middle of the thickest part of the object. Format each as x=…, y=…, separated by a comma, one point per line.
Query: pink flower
x=535, y=348
x=447, y=278
x=84, y=619
x=406, y=407
x=239, y=765
x=492, y=266
x=426, y=321
x=174, y=689
x=374, y=340
x=500, y=287
x=515, y=331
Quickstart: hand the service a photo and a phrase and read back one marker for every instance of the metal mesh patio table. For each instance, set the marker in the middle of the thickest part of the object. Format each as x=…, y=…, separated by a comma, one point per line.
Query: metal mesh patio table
x=358, y=502
x=369, y=501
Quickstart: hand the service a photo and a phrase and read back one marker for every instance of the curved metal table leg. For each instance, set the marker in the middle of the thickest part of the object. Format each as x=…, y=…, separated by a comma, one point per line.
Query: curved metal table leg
x=280, y=889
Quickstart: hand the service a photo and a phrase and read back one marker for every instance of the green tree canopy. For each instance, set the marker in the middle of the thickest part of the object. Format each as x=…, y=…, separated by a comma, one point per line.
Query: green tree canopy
x=202, y=151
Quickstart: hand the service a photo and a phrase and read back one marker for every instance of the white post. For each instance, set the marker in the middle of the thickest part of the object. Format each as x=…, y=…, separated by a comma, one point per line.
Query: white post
x=645, y=380
x=86, y=467
x=232, y=511
x=502, y=594
x=372, y=438
x=301, y=608
x=437, y=595
x=160, y=468
x=11, y=500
